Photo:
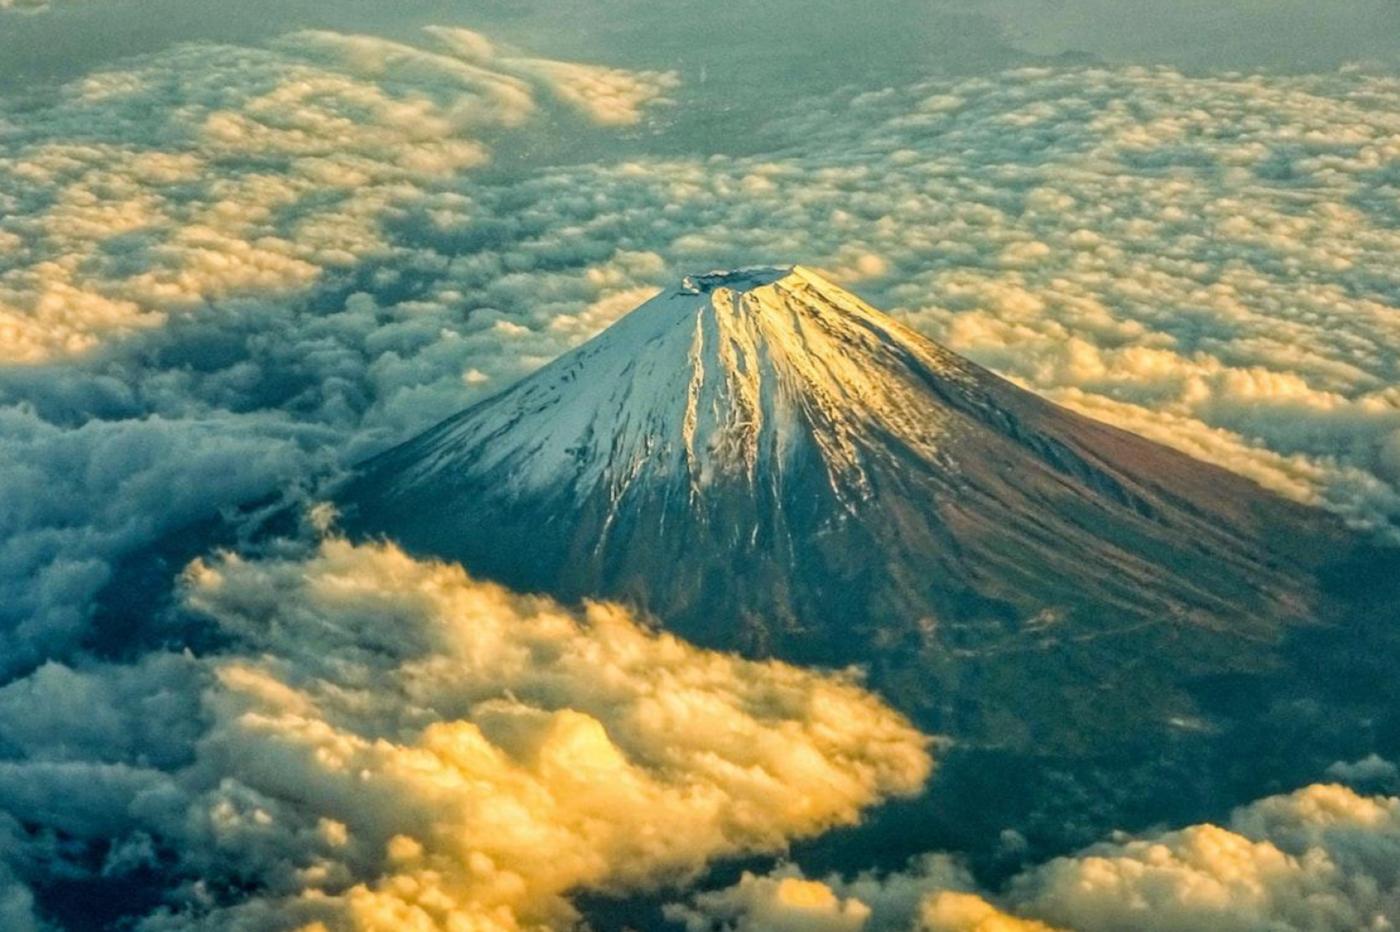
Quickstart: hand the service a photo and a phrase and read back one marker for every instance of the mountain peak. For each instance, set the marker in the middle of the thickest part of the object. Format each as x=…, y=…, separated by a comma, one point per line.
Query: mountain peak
x=739, y=280
x=752, y=290
x=770, y=464
x=756, y=289
x=728, y=372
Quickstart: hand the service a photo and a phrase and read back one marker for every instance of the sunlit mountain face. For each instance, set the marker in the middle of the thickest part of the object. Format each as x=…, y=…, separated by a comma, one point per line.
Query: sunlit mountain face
x=599, y=464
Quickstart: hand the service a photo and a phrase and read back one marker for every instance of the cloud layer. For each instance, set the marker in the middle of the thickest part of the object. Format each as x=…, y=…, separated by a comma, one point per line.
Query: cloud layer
x=1322, y=859
x=393, y=745
x=209, y=172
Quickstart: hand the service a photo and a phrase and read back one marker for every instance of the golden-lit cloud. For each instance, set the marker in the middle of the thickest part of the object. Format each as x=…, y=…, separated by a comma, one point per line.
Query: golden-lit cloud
x=1322, y=859
x=782, y=901
x=935, y=894
x=395, y=745
x=206, y=173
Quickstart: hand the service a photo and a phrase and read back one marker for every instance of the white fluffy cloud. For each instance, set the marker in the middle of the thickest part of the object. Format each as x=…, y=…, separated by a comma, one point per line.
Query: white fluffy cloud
x=1322, y=859
x=609, y=96
x=394, y=745
x=76, y=498
x=785, y=899
x=209, y=172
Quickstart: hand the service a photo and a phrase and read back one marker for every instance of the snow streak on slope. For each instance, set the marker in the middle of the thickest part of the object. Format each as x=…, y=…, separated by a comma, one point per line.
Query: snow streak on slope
x=773, y=358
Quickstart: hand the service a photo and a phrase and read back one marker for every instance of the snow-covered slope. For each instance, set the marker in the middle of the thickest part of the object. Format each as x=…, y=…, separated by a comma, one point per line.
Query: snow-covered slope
x=719, y=379
x=769, y=464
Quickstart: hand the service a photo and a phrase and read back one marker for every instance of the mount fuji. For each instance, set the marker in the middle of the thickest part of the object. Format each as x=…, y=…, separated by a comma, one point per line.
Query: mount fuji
x=765, y=463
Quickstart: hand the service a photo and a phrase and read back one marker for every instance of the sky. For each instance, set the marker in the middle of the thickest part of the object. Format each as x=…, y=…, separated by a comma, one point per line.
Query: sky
x=243, y=246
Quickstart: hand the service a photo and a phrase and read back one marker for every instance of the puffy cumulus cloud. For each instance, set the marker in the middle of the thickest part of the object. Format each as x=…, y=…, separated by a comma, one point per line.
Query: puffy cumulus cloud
x=209, y=172
x=389, y=744
x=82, y=750
x=608, y=96
x=786, y=899
x=782, y=901
x=1372, y=771
x=947, y=911
x=935, y=895
x=1322, y=859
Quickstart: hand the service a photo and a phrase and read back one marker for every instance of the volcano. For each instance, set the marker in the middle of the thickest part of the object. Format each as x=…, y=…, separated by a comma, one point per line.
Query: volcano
x=765, y=463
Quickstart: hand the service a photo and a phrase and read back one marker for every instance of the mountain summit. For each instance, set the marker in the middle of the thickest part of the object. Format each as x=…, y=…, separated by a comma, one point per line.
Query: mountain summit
x=769, y=464
x=731, y=377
